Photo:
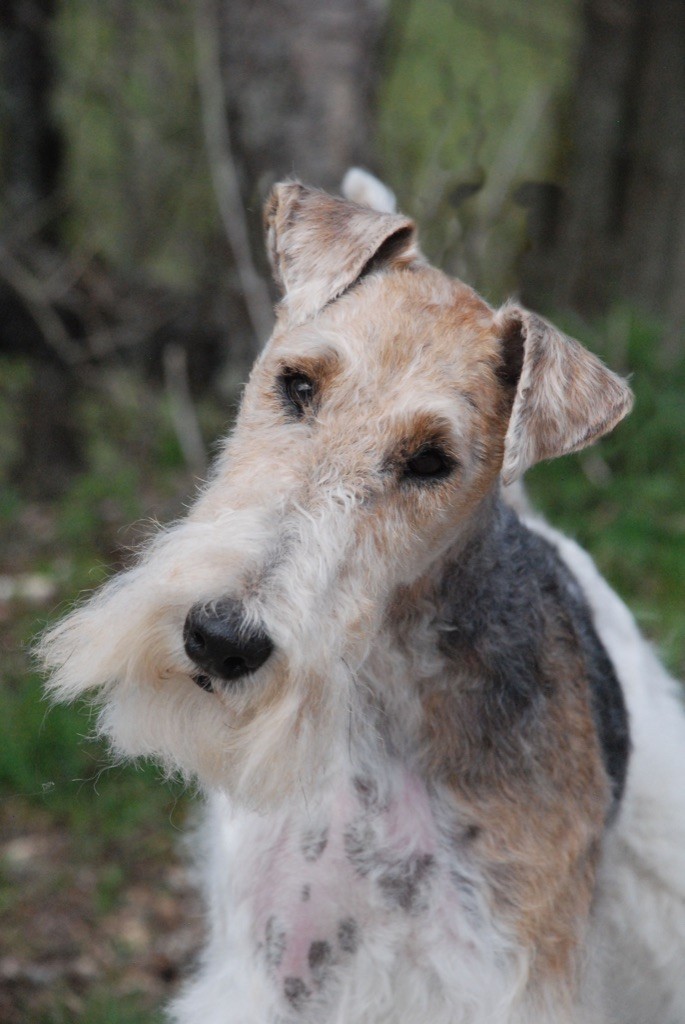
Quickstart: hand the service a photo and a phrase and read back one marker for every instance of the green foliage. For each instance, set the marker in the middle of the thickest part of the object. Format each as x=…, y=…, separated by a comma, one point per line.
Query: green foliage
x=15, y=378
x=38, y=754
x=93, y=497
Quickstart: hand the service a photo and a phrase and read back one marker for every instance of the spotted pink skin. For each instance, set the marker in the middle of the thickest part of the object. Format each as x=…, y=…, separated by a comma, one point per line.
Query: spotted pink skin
x=314, y=898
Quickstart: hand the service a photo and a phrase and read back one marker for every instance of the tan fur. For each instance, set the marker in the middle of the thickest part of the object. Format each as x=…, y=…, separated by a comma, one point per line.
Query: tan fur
x=318, y=245
x=566, y=397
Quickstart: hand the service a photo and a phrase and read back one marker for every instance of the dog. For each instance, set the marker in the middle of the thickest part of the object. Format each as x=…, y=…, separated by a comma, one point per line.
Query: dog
x=444, y=771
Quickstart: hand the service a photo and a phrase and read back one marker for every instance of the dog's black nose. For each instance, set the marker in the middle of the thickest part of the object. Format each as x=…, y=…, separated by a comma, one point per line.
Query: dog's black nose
x=217, y=639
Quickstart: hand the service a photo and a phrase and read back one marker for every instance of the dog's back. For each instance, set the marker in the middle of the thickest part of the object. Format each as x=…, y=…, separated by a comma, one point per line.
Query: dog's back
x=636, y=952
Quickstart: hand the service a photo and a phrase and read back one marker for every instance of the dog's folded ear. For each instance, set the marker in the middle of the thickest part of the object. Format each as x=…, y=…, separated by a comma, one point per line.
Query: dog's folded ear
x=320, y=245
x=564, y=398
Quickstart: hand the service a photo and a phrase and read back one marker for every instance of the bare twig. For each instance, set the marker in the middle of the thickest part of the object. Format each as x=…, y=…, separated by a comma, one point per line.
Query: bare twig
x=48, y=321
x=66, y=275
x=223, y=170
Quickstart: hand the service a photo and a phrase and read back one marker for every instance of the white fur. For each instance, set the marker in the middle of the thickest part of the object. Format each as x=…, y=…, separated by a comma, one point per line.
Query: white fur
x=364, y=188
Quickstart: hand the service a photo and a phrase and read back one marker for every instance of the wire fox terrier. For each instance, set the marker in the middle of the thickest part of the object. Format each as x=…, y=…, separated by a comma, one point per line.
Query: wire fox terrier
x=408, y=707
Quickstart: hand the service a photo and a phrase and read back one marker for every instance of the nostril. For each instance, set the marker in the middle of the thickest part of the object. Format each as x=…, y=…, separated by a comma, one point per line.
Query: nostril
x=197, y=639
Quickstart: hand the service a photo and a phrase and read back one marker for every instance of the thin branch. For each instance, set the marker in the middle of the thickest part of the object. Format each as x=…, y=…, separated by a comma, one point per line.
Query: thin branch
x=48, y=321
x=60, y=282
x=223, y=171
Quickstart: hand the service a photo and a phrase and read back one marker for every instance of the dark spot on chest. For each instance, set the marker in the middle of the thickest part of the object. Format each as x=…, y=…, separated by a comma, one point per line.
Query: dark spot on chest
x=367, y=793
x=402, y=880
x=296, y=992
x=306, y=893
x=404, y=883
x=348, y=935
x=360, y=846
x=274, y=942
x=314, y=842
x=320, y=958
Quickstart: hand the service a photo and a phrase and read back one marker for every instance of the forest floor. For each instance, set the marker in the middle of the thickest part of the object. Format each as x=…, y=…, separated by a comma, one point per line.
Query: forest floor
x=90, y=934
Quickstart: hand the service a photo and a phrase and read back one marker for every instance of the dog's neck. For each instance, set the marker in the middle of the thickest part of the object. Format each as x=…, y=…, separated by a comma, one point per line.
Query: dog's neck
x=435, y=627
x=477, y=655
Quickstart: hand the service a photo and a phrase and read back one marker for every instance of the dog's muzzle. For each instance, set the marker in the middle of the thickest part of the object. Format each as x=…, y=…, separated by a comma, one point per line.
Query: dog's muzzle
x=217, y=640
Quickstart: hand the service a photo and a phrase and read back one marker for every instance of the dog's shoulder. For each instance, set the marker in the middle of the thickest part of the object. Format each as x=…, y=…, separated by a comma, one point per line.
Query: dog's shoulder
x=509, y=600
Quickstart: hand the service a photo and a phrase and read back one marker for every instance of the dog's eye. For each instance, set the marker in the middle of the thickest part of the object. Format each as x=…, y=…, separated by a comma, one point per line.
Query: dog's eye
x=298, y=390
x=429, y=463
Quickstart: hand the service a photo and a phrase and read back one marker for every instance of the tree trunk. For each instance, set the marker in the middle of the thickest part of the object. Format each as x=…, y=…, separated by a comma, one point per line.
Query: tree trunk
x=32, y=165
x=287, y=89
x=654, y=224
x=300, y=79
x=619, y=231
x=32, y=147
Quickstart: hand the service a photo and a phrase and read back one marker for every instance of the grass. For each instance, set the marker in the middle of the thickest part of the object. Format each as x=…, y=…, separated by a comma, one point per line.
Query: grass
x=102, y=1009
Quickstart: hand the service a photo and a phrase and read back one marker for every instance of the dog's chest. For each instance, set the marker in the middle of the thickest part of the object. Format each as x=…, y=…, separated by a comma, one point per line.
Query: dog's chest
x=370, y=873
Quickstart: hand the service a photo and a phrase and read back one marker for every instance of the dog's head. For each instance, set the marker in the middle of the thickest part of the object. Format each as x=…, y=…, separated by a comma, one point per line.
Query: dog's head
x=372, y=434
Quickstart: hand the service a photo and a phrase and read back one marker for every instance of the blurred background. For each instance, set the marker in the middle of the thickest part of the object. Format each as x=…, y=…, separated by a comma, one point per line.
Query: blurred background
x=541, y=147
